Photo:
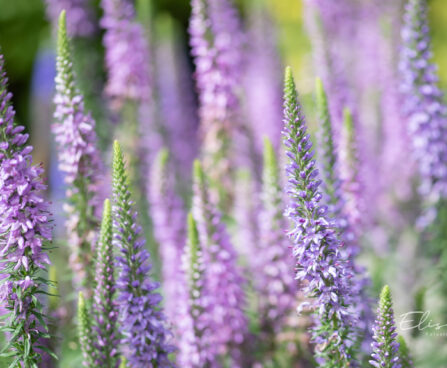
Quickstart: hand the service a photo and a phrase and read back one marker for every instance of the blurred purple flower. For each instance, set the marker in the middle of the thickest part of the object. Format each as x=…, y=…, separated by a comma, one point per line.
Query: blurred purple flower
x=423, y=104
x=262, y=79
x=126, y=53
x=178, y=107
x=216, y=40
x=273, y=279
x=80, y=16
x=196, y=345
x=169, y=219
x=142, y=321
x=80, y=161
x=224, y=282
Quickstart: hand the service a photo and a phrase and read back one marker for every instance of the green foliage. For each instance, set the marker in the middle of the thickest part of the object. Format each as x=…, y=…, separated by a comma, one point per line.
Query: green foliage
x=85, y=332
x=404, y=353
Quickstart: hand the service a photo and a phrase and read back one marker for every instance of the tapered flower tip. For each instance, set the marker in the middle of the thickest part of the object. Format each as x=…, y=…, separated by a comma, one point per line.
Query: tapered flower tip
x=269, y=155
x=348, y=121
x=123, y=363
x=320, y=94
x=288, y=75
x=319, y=86
x=199, y=175
x=62, y=38
x=81, y=301
x=118, y=159
x=162, y=157
x=290, y=92
x=117, y=149
x=289, y=82
x=385, y=296
x=193, y=238
x=106, y=219
x=107, y=208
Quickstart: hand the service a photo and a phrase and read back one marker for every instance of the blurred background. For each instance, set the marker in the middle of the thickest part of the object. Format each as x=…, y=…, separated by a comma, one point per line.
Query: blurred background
x=27, y=42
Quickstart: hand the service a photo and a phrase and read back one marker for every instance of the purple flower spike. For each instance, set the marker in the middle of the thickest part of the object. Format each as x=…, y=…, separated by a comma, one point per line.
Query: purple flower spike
x=274, y=263
x=262, y=78
x=322, y=268
x=105, y=338
x=127, y=53
x=142, y=321
x=216, y=47
x=196, y=348
x=169, y=220
x=423, y=104
x=79, y=160
x=385, y=347
x=223, y=277
x=339, y=209
x=26, y=231
x=177, y=104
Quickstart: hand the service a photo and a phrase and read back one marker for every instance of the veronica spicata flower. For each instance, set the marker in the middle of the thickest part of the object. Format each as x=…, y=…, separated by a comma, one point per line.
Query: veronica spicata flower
x=169, y=219
x=385, y=347
x=142, y=321
x=215, y=39
x=322, y=269
x=196, y=348
x=80, y=161
x=423, y=104
x=226, y=307
x=104, y=331
x=25, y=235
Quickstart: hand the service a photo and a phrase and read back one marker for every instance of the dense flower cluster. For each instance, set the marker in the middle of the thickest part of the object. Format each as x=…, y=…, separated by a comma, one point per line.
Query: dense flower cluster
x=340, y=209
x=216, y=47
x=196, y=349
x=104, y=332
x=262, y=78
x=423, y=105
x=79, y=160
x=173, y=78
x=274, y=281
x=127, y=53
x=322, y=269
x=225, y=308
x=25, y=232
x=169, y=219
x=81, y=22
x=142, y=322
